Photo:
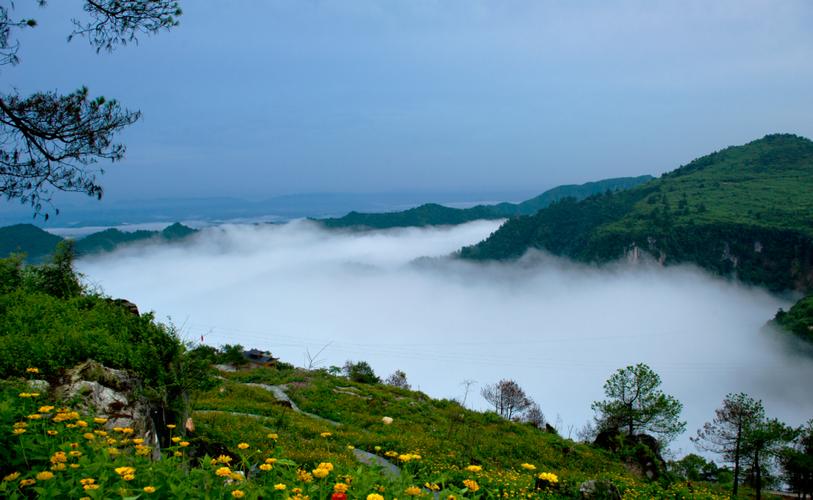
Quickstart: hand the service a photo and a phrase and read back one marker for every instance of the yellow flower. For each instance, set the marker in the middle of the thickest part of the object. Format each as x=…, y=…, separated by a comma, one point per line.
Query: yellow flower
x=236, y=476
x=223, y=471
x=474, y=468
x=44, y=475
x=184, y=444
x=374, y=496
x=320, y=473
x=128, y=477
x=325, y=465
x=127, y=430
x=138, y=441
x=113, y=451
x=170, y=426
x=271, y=461
x=87, y=480
x=19, y=431
x=27, y=482
x=89, y=487
x=176, y=439
x=100, y=420
x=223, y=459
x=550, y=477
x=243, y=446
x=326, y=434
x=81, y=423
x=58, y=467
x=100, y=433
x=149, y=489
x=279, y=487
x=304, y=476
x=266, y=467
x=32, y=370
x=273, y=436
x=237, y=494
x=432, y=486
x=45, y=409
x=340, y=488
x=74, y=466
x=471, y=485
x=412, y=491
x=351, y=447
x=89, y=435
x=178, y=454
x=391, y=454
x=123, y=471
x=59, y=457
x=75, y=453
x=528, y=466
x=12, y=476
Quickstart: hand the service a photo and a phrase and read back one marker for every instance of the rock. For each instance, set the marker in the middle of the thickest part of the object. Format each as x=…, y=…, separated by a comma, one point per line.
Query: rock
x=599, y=490
x=39, y=385
x=105, y=392
x=126, y=304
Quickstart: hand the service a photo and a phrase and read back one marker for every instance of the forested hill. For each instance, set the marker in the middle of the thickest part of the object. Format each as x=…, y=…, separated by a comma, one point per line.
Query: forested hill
x=745, y=211
x=432, y=214
x=39, y=244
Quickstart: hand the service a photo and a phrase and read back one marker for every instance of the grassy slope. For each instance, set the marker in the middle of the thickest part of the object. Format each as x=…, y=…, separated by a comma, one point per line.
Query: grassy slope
x=433, y=214
x=745, y=210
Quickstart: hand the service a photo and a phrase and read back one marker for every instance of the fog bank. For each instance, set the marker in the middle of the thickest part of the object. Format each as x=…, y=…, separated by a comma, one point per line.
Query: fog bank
x=558, y=328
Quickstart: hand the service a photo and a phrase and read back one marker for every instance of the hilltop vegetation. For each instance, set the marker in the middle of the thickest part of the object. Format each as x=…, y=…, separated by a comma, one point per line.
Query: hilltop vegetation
x=38, y=244
x=745, y=211
x=799, y=319
x=432, y=214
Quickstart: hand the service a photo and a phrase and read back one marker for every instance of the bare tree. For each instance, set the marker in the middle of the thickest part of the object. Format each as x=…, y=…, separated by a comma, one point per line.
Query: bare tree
x=467, y=383
x=398, y=379
x=727, y=433
x=507, y=397
x=534, y=416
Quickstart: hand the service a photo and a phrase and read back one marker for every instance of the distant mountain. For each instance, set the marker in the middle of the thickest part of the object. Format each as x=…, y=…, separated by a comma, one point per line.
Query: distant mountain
x=38, y=244
x=745, y=211
x=29, y=239
x=432, y=214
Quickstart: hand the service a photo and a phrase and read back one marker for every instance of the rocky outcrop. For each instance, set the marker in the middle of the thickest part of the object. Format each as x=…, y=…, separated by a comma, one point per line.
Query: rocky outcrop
x=642, y=451
x=599, y=490
x=108, y=393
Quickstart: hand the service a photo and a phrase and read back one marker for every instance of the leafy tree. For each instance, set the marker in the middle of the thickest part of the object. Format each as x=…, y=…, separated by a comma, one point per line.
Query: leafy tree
x=726, y=434
x=361, y=372
x=398, y=379
x=693, y=467
x=56, y=278
x=507, y=397
x=797, y=462
x=232, y=355
x=50, y=141
x=763, y=443
x=636, y=404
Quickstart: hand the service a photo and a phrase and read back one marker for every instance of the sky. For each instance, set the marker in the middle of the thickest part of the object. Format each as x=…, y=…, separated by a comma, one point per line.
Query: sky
x=257, y=98
x=558, y=328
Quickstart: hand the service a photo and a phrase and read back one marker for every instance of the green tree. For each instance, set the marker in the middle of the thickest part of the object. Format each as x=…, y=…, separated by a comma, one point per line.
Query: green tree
x=762, y=444
x=636, y=404
x=726, y=433
x=797, y=462
x=50, y=141
x=361, y=372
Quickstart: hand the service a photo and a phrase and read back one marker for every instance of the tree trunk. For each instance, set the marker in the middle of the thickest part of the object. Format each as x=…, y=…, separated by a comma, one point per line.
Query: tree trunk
x=737, y=459
x=758, y=473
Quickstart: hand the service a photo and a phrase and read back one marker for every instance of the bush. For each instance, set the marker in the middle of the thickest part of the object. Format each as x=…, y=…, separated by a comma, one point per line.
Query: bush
x=361, y=372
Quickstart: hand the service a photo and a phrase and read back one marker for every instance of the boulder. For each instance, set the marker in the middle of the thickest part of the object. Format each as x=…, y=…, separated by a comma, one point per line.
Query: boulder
x=599, y=490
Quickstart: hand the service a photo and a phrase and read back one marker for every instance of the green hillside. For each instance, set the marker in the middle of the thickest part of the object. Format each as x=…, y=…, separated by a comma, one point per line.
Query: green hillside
x=745, y=212
x=29, y=239
x=38, y=244
x=432, y=214
x=799, y=319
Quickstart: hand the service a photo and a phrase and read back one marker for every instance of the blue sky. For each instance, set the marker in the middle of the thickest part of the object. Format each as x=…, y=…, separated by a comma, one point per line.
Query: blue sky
x=258, y=98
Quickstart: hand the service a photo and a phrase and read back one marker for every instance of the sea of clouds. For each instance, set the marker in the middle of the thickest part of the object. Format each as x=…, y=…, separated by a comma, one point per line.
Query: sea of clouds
x=394, y=299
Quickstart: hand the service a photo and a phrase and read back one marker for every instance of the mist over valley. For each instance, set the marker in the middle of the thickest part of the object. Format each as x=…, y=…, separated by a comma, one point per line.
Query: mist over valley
x=397, y=300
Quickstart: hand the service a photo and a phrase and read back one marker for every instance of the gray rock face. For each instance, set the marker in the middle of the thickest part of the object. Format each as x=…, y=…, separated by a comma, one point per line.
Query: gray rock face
x=109, y=393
